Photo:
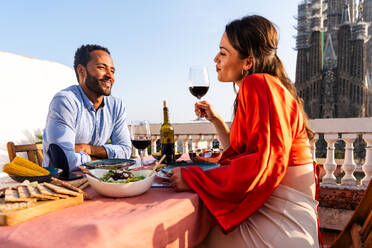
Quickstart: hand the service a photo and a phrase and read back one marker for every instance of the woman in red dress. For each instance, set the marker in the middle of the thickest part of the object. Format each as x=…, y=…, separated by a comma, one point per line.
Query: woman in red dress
x=263, y=194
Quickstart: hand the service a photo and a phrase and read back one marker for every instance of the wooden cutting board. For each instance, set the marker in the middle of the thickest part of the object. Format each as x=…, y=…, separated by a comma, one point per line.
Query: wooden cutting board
x=42, y=207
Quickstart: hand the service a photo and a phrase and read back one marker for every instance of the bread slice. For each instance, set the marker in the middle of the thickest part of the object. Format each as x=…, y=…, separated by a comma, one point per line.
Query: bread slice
x=61, y=190
x=78, y=182
x=35, y=192
x=69, y=186
x=46, y=191
x=83, y=186
x=9, y=206
x=12, y=195
x=23, y=192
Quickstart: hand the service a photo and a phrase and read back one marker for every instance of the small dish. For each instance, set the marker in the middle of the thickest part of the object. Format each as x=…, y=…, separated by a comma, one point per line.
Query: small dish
x=54, y=172
x=110, y=164
x=205, y=157
x=161, y=174
x=121, y=189
x=204, y=166
x=157, y=156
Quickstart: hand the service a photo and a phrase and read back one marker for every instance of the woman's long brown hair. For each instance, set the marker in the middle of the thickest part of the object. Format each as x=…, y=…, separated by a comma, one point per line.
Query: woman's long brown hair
x=255, y=36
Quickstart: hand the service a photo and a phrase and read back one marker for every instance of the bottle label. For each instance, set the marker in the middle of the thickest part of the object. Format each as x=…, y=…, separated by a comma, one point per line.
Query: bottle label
x=167, y=137
x=168, y=150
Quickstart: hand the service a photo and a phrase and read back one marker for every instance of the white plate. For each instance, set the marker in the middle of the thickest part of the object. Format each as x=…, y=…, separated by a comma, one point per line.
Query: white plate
x=162, y=175
x=164, y=184
x=138, y=163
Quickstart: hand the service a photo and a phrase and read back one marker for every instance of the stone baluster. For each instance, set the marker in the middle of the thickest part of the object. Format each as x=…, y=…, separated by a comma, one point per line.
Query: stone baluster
x=349, y=165
x=145, y=152
x=195, y=142
x=313, y=146
x=330, y=164
x=153, y=143
x=176, y=137
x=201, y=140
x=209, y=140
x=185, y=143
x=367, y=166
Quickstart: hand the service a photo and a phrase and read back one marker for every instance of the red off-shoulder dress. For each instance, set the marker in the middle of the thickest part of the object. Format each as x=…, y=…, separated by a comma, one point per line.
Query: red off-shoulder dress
x=267, y=135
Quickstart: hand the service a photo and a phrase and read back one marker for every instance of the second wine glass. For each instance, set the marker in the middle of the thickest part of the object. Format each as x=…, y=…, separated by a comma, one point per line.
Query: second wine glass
x=140, y=135
x=198, y=82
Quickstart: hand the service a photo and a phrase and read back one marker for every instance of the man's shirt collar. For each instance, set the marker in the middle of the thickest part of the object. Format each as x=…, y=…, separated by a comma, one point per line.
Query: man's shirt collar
x=87, y=102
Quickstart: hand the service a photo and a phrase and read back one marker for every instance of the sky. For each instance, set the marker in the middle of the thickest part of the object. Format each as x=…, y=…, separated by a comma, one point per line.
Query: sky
x=153, y=43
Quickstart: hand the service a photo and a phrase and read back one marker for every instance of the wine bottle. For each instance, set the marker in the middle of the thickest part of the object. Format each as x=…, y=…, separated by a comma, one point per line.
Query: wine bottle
x=167, y=137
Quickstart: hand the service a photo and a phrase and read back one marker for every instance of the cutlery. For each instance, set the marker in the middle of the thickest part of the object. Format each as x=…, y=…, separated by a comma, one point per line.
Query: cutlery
x=157, y=165
x=86, y=171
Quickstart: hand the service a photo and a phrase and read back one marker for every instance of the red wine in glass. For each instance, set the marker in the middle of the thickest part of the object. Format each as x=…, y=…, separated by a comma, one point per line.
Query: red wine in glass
x=141, y=144
x=198, y=83
x=140, y=135
x=198, y=91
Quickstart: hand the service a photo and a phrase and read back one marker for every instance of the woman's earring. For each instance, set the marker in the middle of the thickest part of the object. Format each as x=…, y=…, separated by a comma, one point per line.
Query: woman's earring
x=244, y=73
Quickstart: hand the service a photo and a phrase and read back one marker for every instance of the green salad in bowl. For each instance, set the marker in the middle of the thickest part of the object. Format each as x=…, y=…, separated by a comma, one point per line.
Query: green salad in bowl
x=119, y=183
x=117, y=176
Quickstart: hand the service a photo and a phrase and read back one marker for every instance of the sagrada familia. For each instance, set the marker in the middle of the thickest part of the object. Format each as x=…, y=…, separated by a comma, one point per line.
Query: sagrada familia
x=334, y=58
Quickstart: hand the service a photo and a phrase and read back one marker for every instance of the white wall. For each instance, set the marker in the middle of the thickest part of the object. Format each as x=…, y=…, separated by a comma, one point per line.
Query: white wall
x=27, y=86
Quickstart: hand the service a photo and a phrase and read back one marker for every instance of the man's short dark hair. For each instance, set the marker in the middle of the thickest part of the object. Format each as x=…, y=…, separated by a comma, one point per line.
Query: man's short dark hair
x=82, y=55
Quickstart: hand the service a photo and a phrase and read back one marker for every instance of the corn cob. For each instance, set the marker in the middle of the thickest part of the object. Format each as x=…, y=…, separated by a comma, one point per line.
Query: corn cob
x=30, y=165
x=17, y=170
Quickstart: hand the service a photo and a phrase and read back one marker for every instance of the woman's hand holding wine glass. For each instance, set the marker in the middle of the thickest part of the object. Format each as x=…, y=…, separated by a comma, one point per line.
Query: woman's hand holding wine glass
x=140, y=135
x=198, y=82
x=205, y=110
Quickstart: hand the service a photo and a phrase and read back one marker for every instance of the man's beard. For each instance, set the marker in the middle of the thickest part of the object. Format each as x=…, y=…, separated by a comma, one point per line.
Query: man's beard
x=93, y=85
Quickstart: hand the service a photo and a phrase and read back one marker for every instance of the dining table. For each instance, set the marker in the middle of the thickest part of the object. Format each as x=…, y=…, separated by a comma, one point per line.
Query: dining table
x=160, y=217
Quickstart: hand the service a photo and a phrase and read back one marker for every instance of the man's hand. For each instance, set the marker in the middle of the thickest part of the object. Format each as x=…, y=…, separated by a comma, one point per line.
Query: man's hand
x=177, y=181
x=83, y=148
x=98, y=152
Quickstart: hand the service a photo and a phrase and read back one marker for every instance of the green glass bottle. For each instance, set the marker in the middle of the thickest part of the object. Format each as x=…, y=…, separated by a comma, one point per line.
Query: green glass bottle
x=167, y=137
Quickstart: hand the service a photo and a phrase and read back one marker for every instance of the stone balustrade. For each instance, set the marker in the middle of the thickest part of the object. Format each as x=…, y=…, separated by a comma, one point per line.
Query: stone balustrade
x=347, y=130
x=187, y=136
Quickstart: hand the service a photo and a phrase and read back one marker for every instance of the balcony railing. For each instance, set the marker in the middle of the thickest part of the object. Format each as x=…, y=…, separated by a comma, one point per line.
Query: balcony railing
x=188, y=136
x=347, y=130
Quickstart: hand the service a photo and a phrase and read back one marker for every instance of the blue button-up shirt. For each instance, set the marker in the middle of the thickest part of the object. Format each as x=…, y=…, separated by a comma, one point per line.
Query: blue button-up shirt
x=72, y=120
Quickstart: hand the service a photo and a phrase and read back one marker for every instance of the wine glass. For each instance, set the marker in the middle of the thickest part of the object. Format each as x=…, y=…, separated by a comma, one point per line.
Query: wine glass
x=140, y=136
x=198, y=82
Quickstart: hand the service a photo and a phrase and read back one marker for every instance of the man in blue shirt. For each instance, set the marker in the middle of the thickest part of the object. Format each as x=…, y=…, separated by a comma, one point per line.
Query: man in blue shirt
x=82, y=118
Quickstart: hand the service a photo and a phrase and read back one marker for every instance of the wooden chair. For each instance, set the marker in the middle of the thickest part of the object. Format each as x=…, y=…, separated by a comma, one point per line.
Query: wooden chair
x=34, y=151
x=357, y=233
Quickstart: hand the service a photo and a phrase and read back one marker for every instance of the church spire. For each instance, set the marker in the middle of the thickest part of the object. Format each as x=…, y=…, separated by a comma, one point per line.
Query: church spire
x=346, y=13
x=329, y=51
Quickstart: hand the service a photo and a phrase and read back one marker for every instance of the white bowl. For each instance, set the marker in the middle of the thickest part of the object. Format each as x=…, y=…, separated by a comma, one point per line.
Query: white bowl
x=121, y=189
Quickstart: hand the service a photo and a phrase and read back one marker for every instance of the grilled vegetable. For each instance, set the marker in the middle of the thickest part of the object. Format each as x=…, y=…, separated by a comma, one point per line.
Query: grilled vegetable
x=17, y=170
x=30, y=165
